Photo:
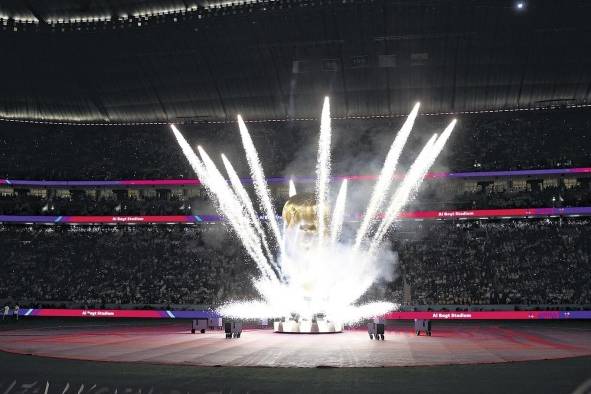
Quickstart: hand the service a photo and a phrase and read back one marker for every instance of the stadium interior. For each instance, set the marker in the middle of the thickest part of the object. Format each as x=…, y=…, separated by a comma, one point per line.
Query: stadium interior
x=100, y=210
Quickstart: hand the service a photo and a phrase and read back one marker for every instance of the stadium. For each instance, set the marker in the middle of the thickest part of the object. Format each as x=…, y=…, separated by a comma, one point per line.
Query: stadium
x=295, y=196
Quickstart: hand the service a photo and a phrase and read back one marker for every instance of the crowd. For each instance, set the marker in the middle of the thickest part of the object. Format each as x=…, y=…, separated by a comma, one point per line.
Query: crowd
x=495, y=141
x=557, y=196
x=476, y=262
x=98, y=265
x=430, y=197
x=542, y=261
x=546, y=261
x=86, y=205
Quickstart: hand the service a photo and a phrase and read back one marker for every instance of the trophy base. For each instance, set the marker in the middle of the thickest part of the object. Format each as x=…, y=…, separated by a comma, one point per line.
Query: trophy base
x=307, y=327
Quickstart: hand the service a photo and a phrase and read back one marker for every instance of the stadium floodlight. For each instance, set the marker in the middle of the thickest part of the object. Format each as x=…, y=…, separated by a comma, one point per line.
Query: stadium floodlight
x=520, y=5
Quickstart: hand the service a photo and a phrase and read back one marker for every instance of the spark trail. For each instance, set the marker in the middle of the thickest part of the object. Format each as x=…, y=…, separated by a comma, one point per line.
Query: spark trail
x=384, y=181
x=260, y=183
x=247, y=203
x=323, y=168
x=412, y=182
x=338, y=215
x=292, y=188
x=323, y=277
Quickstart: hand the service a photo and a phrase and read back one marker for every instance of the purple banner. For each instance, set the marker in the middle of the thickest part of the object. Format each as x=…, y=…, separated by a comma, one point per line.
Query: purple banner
x=297, y=179
x=30, y=219
x=575, y=315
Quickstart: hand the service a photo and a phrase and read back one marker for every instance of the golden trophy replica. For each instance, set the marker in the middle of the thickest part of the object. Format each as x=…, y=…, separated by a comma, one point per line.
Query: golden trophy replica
x=300, y=213
x=300, y=216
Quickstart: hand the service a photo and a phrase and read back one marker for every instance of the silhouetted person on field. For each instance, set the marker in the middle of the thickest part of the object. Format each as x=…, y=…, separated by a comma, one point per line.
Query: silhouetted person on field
x=6, y=310
x=16, y=308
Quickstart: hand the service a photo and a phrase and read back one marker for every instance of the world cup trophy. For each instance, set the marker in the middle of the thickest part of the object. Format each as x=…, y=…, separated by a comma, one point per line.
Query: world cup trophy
x=300, y=218
x=300, y=215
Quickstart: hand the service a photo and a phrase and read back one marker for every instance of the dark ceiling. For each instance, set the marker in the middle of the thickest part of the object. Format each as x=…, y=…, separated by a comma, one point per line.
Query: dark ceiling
x=276, y=60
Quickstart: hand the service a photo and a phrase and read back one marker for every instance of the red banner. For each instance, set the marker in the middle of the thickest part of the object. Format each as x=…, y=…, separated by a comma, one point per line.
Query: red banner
x=479, y=213
x=489, y=315
x=108, y=313
x=128, y=219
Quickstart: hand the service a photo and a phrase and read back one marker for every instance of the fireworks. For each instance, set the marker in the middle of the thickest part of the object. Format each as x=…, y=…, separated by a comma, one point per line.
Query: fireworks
x=307, y=271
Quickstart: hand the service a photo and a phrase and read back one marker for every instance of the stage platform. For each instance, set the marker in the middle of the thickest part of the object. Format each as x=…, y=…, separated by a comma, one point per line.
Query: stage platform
x=459, y=343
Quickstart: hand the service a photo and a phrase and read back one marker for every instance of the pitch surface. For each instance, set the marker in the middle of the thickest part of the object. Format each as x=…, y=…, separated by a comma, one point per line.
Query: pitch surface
x=173, y=344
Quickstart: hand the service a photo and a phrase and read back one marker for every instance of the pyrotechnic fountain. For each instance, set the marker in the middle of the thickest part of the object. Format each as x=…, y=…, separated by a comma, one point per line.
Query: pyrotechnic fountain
x=309, y=276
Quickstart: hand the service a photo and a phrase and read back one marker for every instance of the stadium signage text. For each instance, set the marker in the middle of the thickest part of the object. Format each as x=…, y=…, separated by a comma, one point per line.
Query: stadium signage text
x=414, y=215
x=396, y=315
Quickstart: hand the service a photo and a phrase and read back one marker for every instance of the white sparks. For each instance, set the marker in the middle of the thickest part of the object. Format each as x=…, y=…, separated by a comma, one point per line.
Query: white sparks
x=385, y=178
x=310, y=278
x=338, y=215
x=292, y=188
x=412, y=181
x=260, y=183
x=323, y=168
x=247, y=203
x=236, y=214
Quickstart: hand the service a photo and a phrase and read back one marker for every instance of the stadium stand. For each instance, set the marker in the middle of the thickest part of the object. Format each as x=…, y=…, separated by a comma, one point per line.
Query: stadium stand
x=517, y=261
x=499, y=141
x=431, y=198
x=541, y=261
x=499, y=262
x=99, y=265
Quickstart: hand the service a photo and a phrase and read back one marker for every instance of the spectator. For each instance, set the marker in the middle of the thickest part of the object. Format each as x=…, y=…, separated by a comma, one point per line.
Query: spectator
x=517, y=261
x=496, y=141
x=98, y=265
x=432, y=196
x=497, y=262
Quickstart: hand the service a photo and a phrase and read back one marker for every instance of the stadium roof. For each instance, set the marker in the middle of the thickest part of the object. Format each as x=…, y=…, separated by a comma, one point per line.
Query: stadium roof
x=185, y=61
x=46, y=11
